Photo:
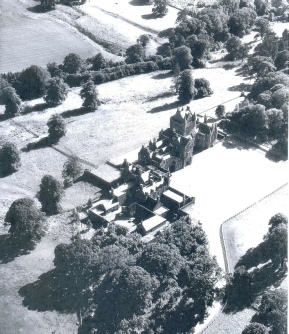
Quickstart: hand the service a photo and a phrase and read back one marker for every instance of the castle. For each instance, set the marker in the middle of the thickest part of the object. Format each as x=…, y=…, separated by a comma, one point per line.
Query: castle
x=141, y=189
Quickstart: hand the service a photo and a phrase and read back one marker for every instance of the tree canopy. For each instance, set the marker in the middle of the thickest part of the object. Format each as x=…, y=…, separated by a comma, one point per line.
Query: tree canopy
x=186, y=86
x=9, y=158
x=56, y=128
x=56, y=91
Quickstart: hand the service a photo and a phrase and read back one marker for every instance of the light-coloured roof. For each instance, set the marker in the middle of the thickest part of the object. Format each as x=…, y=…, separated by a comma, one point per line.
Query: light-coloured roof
x=106, y=173
x=161, y=210
x=173, y=196
x=152, y=222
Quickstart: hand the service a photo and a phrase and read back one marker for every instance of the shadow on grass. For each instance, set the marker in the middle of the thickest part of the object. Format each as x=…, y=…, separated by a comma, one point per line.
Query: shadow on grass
x=41, y=143
x=163, y=75
x=76, y=112
x=137, y=3
x=151, y=16
x=160, y=96
x=8, y=251
x=37, y=107
x=38, y=9
x=53, y=291
x=166, y=107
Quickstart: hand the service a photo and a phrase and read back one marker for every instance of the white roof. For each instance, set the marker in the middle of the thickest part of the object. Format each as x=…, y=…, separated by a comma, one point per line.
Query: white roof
x=106, y=172
x=173, y=196
x=131, y=157
x=152, y=222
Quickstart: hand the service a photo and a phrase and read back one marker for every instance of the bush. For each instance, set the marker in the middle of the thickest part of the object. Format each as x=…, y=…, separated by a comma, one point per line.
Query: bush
x=50, y=194
x=9, y=159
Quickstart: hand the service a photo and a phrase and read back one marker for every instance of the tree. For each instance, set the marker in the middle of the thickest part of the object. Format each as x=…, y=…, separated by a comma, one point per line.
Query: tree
x=272, y=311
x=235, y=48
x=164, y=50
x=56, y=128
x=32, y=82
x=280, y=96
x=134, y=54
x=186, y=87
x=282, y=59
x=262, y=26
x=268, y=47
x=56, y=92
x=72, y=63
x=143, y=40
x=71, y=168
x=220, y=111
x=9, y=158
x=276, y=220
x=54, y=70
x=182, y=57
x=275, y=122
x=203, y=88
x=176, y=78
x=160, y=7
x=255, y=328
x=241, y=21
x=11, y=100
x=26, y=223
x=230, y=6
x=89, y=94
x=50, y=194
x=98, y=62
x=47, y=4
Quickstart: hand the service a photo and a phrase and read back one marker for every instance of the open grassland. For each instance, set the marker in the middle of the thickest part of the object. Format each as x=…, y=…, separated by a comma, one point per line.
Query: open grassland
x=16, y=318
x=225, y=181
x=29, y=38
x=247, y=229
x=133, y=13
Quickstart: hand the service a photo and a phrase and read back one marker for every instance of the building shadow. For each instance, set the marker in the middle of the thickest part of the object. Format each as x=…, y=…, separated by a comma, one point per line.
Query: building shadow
x=53, y=291
x=166, y=106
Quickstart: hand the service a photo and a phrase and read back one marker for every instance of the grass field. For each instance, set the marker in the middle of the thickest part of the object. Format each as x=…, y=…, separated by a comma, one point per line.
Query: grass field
x=225, y=181
x=34, y=39
x=247, y=229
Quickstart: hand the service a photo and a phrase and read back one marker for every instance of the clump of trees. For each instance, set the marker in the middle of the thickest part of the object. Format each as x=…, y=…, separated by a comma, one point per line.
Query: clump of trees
x=9, y=159
x=165, y=286
x=50, y=194
x=236, y=50
x=56, y=128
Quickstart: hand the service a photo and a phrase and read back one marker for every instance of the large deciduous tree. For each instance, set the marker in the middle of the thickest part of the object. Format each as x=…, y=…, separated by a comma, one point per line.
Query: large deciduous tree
x=50, y=194
x=89, y=94
x=186, y=87
x=235, y=48
x=26, y=223
x=56, y=92
x=72, y=168
x=72, y=63
x=160, y=7
x=56, y=128
x=9, y=158
x=182, y=57
x=11, y=100
x=255, y=328
x=134, y=54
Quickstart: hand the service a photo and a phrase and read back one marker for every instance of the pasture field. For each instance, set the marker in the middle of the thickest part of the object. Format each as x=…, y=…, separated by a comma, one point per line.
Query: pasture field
x=29, y=38
x=247, y=229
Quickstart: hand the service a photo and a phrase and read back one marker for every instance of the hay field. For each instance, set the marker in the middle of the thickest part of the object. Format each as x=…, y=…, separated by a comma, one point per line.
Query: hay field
x=33, y=39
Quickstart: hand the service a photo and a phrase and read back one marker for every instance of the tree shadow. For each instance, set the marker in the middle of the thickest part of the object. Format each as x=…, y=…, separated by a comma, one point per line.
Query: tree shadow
x=76, y=112
x=160, y=96
x=41, y=143
x=166, y=106
x=163, y=75
x=36, y=107
x=53, y=291
x=8, y=251
x=275, y=155
x=137, y=3
x=39, y=9
x=150, y=16
x=240, y=88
